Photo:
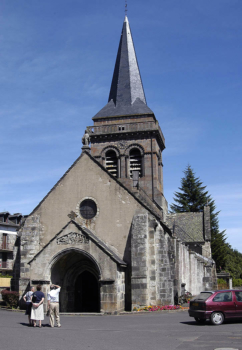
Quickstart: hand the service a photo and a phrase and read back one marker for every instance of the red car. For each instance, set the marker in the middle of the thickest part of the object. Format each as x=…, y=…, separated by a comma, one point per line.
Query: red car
x=216, y=306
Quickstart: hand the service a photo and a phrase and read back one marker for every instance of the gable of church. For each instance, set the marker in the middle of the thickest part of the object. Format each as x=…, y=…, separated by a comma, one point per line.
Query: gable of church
x=84, y=180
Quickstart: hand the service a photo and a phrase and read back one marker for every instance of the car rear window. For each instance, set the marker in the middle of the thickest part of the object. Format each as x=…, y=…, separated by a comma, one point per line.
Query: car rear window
x=203, y=296
x=223, y=297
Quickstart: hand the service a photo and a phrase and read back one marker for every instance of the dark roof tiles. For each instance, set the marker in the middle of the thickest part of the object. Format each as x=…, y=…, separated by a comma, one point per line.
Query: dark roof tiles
x=126, y=95
x=186, y=226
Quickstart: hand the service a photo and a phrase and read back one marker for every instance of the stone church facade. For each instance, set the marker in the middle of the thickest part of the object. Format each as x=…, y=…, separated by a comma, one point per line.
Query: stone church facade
x=103, y=232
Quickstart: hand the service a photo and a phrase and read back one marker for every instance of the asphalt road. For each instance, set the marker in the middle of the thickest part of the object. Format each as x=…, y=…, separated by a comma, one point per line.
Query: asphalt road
x=157, y=330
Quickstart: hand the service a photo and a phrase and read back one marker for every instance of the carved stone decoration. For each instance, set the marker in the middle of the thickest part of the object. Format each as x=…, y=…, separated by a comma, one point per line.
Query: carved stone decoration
x=122, y=144
x=73, y=238
x=72, y=215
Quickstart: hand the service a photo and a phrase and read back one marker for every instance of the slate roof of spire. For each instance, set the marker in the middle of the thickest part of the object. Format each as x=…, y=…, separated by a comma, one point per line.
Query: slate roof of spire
x=127, y=95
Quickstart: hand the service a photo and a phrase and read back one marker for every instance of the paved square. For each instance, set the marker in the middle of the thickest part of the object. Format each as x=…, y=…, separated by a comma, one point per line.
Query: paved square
x=156, y=331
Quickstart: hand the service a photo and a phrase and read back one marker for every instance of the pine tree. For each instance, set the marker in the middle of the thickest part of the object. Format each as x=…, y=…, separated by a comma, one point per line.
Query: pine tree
x=192, y=198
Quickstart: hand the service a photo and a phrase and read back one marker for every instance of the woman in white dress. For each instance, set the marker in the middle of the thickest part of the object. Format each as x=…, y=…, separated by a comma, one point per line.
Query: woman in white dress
x=37, y=312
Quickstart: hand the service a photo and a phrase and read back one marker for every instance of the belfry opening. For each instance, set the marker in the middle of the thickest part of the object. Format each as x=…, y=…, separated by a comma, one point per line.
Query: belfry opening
x=78, y=275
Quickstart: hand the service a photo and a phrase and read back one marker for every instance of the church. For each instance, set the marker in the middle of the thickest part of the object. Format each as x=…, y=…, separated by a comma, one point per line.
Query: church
x=103, y=232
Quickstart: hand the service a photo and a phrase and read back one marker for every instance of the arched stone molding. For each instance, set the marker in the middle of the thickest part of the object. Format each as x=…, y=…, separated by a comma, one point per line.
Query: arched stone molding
x=63, y=252
x=73, y=273
x=117, y=152
x=65, y=269
x=110, y=148
x=134, y=145
x=127, y=161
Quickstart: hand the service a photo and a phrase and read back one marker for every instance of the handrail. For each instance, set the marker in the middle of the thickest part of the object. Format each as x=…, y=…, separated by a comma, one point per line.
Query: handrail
x=123, y=128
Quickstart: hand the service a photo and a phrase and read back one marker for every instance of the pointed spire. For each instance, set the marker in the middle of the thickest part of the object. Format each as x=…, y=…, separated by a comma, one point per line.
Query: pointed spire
x=126, y=95
x=126, y=84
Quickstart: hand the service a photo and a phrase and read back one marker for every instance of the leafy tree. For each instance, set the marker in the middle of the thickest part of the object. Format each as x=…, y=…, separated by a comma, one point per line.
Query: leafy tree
x=192, y=197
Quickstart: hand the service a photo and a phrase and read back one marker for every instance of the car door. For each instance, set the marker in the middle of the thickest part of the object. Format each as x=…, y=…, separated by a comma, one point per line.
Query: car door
x=238, y=303
x=223, y=301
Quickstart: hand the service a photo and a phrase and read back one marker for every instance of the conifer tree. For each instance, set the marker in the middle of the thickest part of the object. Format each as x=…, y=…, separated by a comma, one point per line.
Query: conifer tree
x=192, y=198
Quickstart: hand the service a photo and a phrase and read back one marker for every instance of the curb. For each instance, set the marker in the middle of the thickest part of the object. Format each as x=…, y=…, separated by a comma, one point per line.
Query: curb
x=13, y=310
x=151, y=312
x=122, y=313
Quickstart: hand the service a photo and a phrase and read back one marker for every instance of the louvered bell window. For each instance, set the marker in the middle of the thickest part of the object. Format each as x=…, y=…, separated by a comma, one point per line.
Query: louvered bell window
x=135, y=162
x=112, y=163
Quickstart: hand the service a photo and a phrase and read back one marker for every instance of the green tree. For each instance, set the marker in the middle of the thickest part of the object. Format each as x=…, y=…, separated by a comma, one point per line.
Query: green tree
x=192, y=197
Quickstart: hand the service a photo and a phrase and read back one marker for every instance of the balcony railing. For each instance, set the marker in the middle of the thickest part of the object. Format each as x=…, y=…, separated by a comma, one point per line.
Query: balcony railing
x=124, y=128
x=8, y=265
x=6, y=246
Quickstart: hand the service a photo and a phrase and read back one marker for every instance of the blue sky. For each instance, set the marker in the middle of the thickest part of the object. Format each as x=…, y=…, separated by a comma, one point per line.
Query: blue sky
x=56, y=66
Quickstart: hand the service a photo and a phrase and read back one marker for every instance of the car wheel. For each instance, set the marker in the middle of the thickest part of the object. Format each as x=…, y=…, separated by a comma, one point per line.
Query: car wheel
x=200, y=320
x=217, y=318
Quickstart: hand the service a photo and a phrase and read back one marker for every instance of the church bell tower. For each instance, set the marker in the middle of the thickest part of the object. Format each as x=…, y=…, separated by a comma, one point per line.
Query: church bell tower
x=126, y=137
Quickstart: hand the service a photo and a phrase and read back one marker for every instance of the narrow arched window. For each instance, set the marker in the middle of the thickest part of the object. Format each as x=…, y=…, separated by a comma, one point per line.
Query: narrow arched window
x=135, y=162
x=112, y=163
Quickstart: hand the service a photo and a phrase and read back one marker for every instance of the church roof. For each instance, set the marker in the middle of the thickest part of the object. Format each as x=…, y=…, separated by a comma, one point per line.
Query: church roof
x=126, y=95
x=186, y=226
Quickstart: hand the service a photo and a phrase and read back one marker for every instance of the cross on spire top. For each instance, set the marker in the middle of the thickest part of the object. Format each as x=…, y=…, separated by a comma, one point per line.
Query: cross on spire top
x=126, y=7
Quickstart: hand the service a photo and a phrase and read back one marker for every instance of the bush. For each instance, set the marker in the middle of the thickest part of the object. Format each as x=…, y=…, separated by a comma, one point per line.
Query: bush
x=10, y=298
x=5, y=276
x=237, y=282
x=222, y=284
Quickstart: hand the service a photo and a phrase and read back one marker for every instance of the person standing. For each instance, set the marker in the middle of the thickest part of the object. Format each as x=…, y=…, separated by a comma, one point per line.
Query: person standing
x=53, y=304
x=37, y=312
x=27, y=299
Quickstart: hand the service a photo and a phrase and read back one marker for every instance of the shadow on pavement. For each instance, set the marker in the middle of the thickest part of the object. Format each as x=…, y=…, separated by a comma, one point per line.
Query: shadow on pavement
x=207, y=323
x=194, y=323
x=27, y=325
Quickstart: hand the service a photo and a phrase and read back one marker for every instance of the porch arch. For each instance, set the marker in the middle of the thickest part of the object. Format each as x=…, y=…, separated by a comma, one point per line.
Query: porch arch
x=78, y=274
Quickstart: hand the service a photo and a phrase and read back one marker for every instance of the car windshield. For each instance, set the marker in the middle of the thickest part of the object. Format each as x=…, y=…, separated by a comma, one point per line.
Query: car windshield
x=203, y=296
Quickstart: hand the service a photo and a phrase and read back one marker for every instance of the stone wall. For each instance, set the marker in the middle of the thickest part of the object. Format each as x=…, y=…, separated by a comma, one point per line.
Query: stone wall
x=139, y=261
x=163, y=267
x=120, y=285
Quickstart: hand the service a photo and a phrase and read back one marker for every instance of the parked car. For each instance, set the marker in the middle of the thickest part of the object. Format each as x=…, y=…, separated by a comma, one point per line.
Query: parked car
x=216, y=306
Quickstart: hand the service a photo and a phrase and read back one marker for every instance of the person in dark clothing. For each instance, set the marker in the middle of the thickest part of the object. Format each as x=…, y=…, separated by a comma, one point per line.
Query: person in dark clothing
x=27, y=299
x=37, y=312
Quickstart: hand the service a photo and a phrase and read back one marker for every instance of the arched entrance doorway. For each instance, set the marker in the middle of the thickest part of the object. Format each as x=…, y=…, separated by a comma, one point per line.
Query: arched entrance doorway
x=87, y=293
x=78, y=275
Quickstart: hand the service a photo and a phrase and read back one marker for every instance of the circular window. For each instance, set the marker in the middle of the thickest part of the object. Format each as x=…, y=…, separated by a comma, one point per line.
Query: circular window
x=88, y=209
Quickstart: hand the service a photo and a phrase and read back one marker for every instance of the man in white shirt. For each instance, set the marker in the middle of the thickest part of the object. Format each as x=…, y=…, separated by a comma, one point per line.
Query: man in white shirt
x=53, y=305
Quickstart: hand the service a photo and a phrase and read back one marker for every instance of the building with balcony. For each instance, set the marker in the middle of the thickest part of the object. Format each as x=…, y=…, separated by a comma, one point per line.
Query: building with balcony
x=9, y=243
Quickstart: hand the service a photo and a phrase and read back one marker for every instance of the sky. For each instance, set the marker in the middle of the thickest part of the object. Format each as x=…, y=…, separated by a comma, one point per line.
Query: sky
x=56, y=65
